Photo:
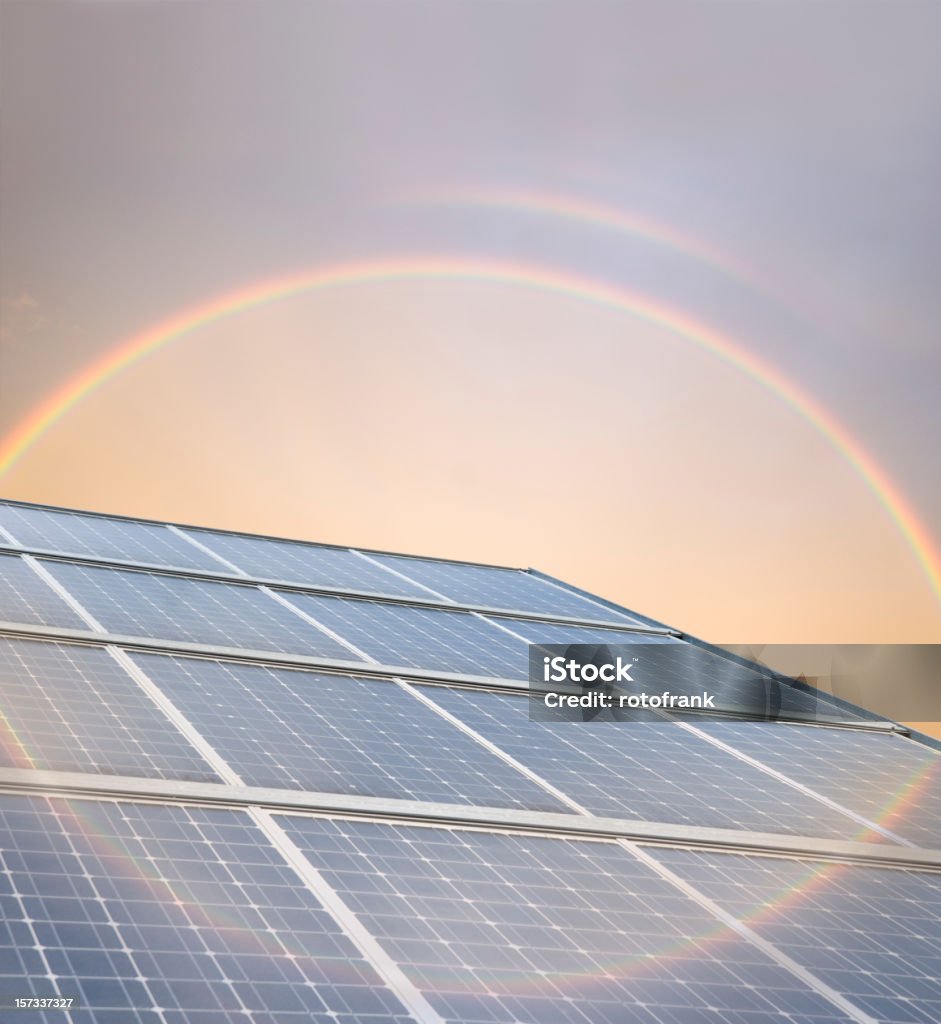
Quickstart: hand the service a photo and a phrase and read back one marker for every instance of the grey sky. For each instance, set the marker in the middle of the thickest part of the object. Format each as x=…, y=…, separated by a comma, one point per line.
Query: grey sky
x=156, y=153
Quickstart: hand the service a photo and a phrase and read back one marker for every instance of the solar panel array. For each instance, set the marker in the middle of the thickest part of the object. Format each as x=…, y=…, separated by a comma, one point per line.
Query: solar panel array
x=195, y=726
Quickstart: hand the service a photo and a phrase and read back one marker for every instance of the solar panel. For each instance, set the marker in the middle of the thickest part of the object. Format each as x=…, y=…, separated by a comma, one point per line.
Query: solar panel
x=536, y=632
x=444, y=640
x=25, y=597
x=493, y=587
x=873, y=935
x=315, y=565
x=198, y=611
x=337, y=734
x=76, y=534
x=193, y=906
x=655, y=771
x=174, y=915
x=426, y=638
x=67, y=707
x=499, y=929
x=888, y=779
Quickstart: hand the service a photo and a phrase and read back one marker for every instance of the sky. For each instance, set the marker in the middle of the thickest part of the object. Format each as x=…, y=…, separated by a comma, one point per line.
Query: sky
x=644, y=294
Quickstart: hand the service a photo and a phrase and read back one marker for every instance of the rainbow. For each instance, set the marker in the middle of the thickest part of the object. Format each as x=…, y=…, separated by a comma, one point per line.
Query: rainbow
x=595, y=215
x=535, y=278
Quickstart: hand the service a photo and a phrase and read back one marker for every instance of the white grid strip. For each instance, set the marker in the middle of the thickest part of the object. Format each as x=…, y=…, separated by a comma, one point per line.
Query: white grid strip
x=402, y=576
x=206, y=551
x=66, y=596
x=794, y=784
x=362, y=938
x=310, y=620
x=740, y=928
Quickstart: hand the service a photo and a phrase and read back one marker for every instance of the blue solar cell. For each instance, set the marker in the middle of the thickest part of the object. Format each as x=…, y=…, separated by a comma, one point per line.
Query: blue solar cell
x=655, y=771
x=448, y=641
x=499, y=929
x=337, y=734
x=68, y=707
x=168, y=914
x=312, y=564
x=198, y=611
x=872, y=934
x=76, y=534
x=889, y=779
x=25, y=597
x=536, y=632
x=427, y=638
x=493, y=587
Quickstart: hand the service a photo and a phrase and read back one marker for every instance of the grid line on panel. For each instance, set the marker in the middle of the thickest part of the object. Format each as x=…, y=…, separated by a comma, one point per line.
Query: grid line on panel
x=610, y=607
x=8, y=538
x=513, y=927
x=71, y=708
x=231, y=566
x=368, y=946
x=511, y=590
x=571, y=588
x=179, y=914
x=450, y=639
x=768, y=948
x=351, y=647
x=881, y=776
x=449, y=680
x=401, y=575
x=300, y=563
x=870, y=934
x=236, y=576
x=87, y=513
x=342, y=734
x=167, y=607
x=154, y=693
x=408, y=636
x=799, y=786
x=43, y=573
x=738, y=926
x=100, y=537
x=653, y=771
x=186, y=727
x=490, y=819
x=499, y=625
x=545, y=631
x=28, y=599
x=492, y=747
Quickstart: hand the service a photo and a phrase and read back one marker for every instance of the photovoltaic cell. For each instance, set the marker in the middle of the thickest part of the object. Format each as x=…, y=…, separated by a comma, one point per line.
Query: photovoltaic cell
x=872, y=934
x=502, y=929
x=169, y=915
x=295, y=562
x=889, y=779
x=493, y=587
x=448, y=641
x=404, y=636
x=198, y=611
x=336, y=734
x=76, y=534
x=655, y=771
x=26, y=598
x=536, y=632
x=66, y=707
